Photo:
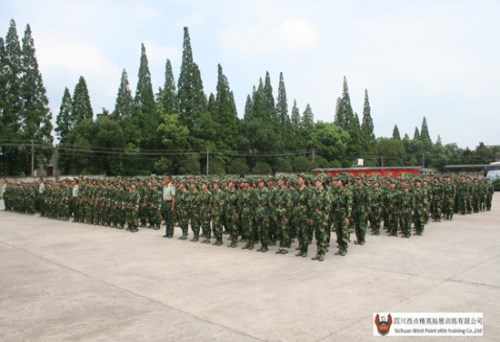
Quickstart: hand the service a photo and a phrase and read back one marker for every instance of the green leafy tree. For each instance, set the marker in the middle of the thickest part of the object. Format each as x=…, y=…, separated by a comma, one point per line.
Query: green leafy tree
x=109, y=140
x=302, y=164
x=262, y=168
x=238, y=166
x=189, y=165
x=391, y=150
x=81, y=107
x=124, y=104
x=329, y=140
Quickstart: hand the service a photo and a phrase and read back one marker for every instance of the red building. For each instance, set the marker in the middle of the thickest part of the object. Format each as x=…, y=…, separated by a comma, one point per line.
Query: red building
x=372, y=171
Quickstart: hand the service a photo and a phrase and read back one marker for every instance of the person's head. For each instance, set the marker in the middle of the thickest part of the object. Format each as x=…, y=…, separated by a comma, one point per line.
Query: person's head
x=300, y=180
x=167, y=180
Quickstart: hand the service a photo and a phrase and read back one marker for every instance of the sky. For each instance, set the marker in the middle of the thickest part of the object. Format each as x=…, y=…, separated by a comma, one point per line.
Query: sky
x=436, y=59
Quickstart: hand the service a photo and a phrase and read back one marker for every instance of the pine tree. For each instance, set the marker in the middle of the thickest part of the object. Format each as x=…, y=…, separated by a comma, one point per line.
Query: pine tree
x=81, y=107
x=344, y=113
x=282, y=105
x=367, y=124
x=144, y=101
x=268, y=99
x=295, y=120
x=259, y=108
x=64, y=121
x=192, y=99
x=424, y=134
x=307, y=121
x=124, y=104
x=225, y=116
x=12, y=77
x=168, y=97
x=416, y=135
x=395, y=133
x=248, y=108
x=36, y=116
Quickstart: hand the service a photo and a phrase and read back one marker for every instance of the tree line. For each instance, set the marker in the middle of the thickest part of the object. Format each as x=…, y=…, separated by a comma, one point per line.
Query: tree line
x=180, y=130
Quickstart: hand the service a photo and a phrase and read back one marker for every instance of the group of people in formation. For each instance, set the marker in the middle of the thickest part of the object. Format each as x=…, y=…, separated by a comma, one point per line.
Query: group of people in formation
x=267, y=210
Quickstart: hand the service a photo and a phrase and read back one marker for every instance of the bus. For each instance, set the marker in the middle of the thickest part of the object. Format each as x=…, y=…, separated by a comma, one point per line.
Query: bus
x=493, y=171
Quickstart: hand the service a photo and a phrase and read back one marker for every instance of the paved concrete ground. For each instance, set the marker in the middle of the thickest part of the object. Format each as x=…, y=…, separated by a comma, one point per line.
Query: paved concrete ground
x=67, y=281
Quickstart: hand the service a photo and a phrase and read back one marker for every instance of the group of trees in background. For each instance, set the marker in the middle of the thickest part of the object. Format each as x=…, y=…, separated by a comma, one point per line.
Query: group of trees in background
x=179, y=130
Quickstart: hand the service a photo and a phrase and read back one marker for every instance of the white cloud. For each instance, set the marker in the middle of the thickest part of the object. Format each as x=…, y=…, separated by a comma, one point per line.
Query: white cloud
x=194, y=19
x=291, y=35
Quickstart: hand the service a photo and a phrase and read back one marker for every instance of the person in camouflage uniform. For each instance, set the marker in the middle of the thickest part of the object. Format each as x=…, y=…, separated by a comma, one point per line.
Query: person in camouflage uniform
x=320, y=208
x=132, y=207
x=302, y=220
x=204, y=201
x=232, y=209
x=490, y=191
x=375, y=211
x=342, y=210
x=420, y=206
x=183, y=204
x=449, y=190
x=406, y=211
x=247, y=216
x=217, y=206
x=283, y=205
x=262, y=208
x=154, y=206
x=393, y=209
x=436, y=200
x=361, y=205
x=195, y=211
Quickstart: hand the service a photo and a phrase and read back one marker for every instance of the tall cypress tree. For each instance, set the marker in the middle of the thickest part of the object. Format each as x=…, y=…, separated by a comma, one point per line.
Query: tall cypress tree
x=344, y=113
x=144, y=100
x=367, y=124
x=12, y=77
x=416, y=135
x=307, y=120
x=295, y=120
x=282, y=105
x=270, y=107
x=81, y=107
x=36, y=116
x=225, y=116
x=168, y=98
x=124, y=102
x=64, y=120
x=192, y=99
x=395, y=133
x=424, y=133
x=248, y=108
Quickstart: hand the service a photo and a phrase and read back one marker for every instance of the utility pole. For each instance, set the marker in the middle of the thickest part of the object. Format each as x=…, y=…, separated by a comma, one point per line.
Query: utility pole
x=313, y=155
x=207, y=161
x=32, y=158
x=382, y=161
